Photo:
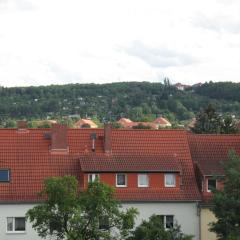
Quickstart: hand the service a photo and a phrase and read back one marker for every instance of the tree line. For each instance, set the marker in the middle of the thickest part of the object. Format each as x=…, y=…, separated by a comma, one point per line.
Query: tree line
x=139, y=101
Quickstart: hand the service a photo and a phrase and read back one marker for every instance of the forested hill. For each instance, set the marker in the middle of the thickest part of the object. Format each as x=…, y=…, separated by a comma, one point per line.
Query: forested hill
x=138, y=101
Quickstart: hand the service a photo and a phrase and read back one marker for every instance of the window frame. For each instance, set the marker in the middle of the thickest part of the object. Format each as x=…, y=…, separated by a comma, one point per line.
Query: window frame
x=143, y=174
x=14, y=225
x=117, y=180
x=209, y=190
x=93, y=174
x=9, y=175
x=164, y=217
x=165, y=180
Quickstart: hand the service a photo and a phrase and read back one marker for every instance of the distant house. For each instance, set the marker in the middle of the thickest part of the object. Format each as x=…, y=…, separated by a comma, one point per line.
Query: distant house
x=162, y=122
x=181, y=86
x=125, y=122
x=159, y=122
x=85, y=123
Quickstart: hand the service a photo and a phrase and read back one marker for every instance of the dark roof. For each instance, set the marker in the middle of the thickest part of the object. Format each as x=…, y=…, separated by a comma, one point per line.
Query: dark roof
x=129, y=163
x=210, y=151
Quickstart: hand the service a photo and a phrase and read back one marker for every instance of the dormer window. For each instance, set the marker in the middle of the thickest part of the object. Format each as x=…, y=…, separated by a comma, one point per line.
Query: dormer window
x=121, y=180
x=93, y=177
x=143, y=180
x=170, y=180
x=4, y=175
x=211, y=184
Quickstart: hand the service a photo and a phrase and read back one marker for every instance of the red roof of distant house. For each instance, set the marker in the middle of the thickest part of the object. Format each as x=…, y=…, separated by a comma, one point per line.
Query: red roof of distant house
x=162, y=121
x=28, y=157
x=83, y=121
x=209, y=150
x=127, y=123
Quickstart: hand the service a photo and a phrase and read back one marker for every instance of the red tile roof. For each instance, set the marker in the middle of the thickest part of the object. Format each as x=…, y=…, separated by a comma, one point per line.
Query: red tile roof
x=129, y=163
x=162, y=121
x=83, y=121
x=27, y=155
x=210, y=150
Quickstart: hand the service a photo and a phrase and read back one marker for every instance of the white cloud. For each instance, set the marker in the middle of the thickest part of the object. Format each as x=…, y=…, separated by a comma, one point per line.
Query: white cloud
x=67, y=41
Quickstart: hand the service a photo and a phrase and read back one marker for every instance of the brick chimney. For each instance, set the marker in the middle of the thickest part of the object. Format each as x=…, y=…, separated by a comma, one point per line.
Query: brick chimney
x=59, y=142
x=22, y=125
x=108, y=138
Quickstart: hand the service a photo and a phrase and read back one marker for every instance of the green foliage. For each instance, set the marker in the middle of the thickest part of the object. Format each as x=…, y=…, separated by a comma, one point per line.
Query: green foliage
x=141, y=126
x=9, y=123
x=68, y=214
x=154, y=229
x=139, y=101
x=209, y=121
x=227, y=202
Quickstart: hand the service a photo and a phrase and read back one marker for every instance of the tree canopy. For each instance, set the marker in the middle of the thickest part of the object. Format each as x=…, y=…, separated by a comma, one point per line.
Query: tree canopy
x=154, y=229
x=91, y=214
x=227, y=202
x=139, y=101
x=209, y=121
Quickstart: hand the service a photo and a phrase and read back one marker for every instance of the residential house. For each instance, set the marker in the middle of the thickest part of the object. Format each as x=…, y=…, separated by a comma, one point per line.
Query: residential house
x=150, y=170
x=208, y=152
x=156, y=124
x=162, y=122
x=85, y=123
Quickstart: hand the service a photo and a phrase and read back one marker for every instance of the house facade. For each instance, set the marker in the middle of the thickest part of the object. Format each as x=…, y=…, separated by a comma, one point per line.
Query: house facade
x=209, y=152
x=151, y=170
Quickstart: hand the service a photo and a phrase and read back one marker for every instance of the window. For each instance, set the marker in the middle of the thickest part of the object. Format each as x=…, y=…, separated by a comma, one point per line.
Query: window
x=170, y=180
x=16, y=224
x=142, y=180
x=93, y=177
x=104, y=223
x=121, y=180
x=167, y=220
x=4, y=175
x=212, y=185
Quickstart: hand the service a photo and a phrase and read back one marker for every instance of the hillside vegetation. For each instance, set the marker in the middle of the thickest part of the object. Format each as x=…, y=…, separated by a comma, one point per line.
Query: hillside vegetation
x=139, y=101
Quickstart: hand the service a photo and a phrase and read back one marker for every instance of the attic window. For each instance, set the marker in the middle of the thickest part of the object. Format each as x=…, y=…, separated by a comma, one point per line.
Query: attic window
x=170, y=180
x=212, y=184
x=4, y=175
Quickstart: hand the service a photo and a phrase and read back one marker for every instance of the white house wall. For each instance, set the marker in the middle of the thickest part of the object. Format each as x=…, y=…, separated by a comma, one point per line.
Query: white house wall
x=185, y=214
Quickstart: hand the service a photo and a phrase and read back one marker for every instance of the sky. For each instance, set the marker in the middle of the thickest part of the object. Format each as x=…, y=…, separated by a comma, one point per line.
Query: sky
x=45, y=42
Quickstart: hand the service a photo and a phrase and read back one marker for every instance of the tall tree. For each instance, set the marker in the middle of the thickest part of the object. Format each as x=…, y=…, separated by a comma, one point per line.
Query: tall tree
x=68, y=214
x=227, y=202
x=207, y=121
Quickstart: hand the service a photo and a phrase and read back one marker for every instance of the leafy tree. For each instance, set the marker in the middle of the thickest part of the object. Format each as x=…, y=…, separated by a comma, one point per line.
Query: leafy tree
x=141, y=126
x=227, y=202
x=68, y=214
x=207, y=121
x=10, y=123
x=228, y=125
x=154, y=229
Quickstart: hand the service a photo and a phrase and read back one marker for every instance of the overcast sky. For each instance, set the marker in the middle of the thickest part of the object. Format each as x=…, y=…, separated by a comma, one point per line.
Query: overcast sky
x=81, y=41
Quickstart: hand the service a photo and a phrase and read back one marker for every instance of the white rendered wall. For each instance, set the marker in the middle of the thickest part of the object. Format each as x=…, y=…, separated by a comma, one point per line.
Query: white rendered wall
x=15, y=210
x=186, y=214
